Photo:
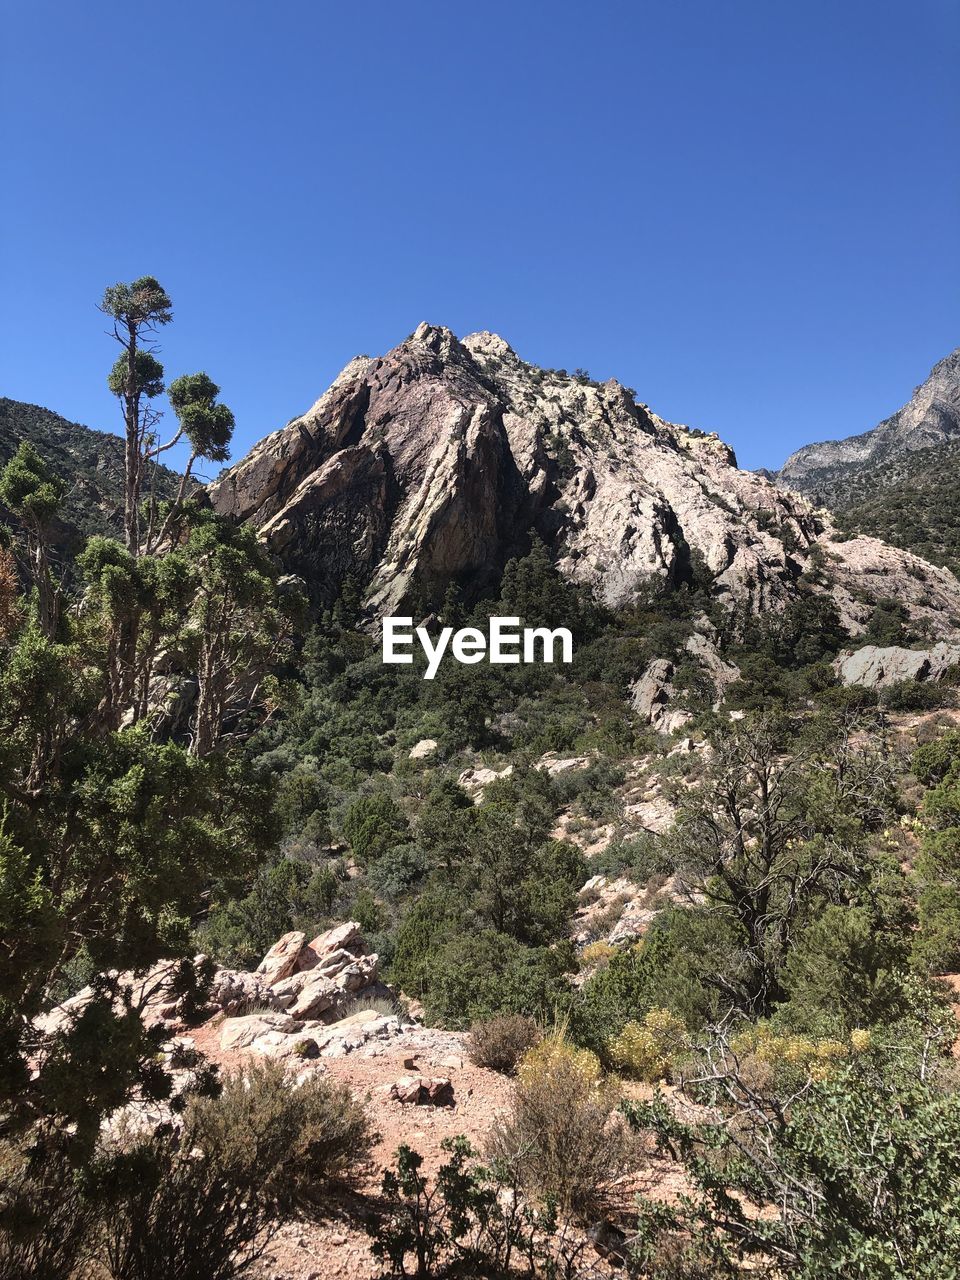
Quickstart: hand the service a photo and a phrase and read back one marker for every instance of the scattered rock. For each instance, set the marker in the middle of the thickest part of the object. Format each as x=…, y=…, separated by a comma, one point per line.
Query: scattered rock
x=423, y=1091
x=656, y=814
x=554, y=765
x=476, y=780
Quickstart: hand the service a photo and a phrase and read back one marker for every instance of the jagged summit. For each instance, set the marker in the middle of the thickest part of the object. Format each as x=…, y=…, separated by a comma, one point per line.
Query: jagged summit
x=931, y=418
x=437, y=460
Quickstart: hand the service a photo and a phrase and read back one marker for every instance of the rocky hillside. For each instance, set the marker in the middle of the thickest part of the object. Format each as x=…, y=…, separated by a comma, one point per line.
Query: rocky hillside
x=838, y=473
x=90, y=461
x=917, y=505
x=436, y=461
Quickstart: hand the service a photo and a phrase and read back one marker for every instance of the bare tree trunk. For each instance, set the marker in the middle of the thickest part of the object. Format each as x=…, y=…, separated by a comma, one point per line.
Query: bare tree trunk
x=132, y=460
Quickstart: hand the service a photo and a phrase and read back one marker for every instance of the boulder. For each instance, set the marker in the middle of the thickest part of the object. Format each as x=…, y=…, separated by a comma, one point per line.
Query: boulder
x=703, y=647
x=554, y=765
x=259, y=1031
x=326, y=988
x=477, y=780
x=423, y=1091
x=308, y=995
x=651, y=695
x=342, y=937
x=655, y=814
x=235, y=992
x=424, y=748
x=281, y=960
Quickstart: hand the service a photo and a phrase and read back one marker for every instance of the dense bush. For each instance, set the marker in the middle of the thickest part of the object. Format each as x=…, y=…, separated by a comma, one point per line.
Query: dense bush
x=851, y=1167
x=290, y=1141
x=475, y=975
x=650, y=1049
x=197, y=1201
x=561, y=1136
x=936, y=945
x=373, y=825
x=500, y=1043
x=48, y=1215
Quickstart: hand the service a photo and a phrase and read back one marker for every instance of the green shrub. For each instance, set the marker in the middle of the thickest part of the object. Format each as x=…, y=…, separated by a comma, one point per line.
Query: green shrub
x=916, y=695
x=561, y=1137
x=373, y=825
x=201, y=1204
x=474, y=976
x=850, y=1168
x=464, y=1224
x=291, y=1141
x=669, y=969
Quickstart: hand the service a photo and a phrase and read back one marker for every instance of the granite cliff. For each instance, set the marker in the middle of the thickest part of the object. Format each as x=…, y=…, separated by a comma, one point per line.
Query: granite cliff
x=438, y=460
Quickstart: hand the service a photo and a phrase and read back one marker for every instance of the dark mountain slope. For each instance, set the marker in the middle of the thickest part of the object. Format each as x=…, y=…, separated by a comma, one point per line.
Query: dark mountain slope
x=918, y=508
x=90, y=461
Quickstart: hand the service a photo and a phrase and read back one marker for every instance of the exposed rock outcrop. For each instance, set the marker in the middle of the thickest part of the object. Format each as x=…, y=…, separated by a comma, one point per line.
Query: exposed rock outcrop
x=877, y=668
x=652, y=695
x=318, y=979
x=437, y=460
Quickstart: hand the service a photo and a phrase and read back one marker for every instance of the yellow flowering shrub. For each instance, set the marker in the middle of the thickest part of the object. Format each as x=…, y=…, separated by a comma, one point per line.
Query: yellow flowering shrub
x=814, y=1056
x=555, y=1055
x=648, y=1050
x=595, y=953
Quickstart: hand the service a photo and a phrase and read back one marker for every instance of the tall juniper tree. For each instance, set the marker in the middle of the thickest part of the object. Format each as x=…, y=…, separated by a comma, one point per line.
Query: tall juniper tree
x=138, y=310
x=122, y=693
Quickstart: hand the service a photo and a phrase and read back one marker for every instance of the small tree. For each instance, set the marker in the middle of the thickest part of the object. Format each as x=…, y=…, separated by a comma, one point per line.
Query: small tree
x=937, y=874
x=770, y=836
x=33, y=493
x=207, y=426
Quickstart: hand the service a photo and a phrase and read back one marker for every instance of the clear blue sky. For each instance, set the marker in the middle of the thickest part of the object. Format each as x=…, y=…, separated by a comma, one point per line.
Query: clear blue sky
x=747, y=210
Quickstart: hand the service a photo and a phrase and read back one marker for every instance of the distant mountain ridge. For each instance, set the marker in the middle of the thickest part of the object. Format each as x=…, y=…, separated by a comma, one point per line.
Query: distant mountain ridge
x=90, y=461
x=839, y=473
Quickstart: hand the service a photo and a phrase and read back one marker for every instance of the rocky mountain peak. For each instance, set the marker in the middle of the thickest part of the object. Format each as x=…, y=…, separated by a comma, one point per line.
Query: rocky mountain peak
x=440, y=459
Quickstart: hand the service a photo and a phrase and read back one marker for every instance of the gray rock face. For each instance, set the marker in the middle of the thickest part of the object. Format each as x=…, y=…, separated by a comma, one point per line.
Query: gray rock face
x=436, y=460
x=931, y=417
x=877, y=668
x=650, y=697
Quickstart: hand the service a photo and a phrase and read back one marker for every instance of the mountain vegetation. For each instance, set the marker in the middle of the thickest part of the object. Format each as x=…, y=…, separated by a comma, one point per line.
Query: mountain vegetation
x=711, y=950
x=90, y=463
x=915, y=506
